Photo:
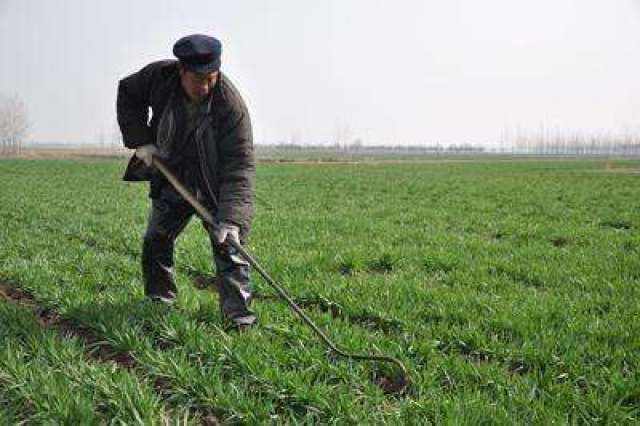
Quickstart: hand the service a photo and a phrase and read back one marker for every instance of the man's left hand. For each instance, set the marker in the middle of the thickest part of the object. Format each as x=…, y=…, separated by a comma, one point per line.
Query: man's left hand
x=226, y=230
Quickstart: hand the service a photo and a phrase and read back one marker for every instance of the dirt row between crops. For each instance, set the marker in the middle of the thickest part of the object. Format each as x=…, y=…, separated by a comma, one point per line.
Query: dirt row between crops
x=96, y=349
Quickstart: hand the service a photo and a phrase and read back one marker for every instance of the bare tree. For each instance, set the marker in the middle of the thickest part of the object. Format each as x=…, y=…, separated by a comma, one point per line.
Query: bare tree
x=342, y=132
x=14, y=124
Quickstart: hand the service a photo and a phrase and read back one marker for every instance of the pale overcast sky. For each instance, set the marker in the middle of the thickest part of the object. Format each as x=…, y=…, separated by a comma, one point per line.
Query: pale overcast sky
x=396, y=72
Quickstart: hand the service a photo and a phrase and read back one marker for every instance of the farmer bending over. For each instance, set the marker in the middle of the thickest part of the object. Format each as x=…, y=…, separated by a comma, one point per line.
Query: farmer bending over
x=200, y=128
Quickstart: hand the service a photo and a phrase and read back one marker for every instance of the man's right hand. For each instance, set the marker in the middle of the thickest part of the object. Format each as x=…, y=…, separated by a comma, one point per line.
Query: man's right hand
x=146, y=153
x=226, y=230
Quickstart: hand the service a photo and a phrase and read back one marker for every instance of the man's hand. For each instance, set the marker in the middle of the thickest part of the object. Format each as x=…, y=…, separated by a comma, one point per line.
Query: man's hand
x=226, y=230
x=146, y=153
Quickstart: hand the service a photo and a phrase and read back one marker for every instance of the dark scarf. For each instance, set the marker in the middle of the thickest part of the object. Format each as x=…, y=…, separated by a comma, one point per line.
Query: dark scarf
x=178, y=130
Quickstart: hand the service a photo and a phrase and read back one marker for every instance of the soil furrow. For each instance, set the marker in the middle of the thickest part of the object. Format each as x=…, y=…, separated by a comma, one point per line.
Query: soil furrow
x=479, y=355
x=97, y=350
x=100, y=351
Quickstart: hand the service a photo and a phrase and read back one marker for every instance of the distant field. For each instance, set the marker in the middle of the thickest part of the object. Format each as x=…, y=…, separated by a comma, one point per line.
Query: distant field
x=509, y=288
x=279, y=154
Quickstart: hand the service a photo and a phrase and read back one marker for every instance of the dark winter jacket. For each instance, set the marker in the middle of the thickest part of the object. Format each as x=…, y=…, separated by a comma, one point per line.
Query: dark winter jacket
x=223, y=137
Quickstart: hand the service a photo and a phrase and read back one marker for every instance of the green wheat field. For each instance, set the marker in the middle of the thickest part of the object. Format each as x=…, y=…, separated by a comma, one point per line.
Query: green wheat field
x=509, y=288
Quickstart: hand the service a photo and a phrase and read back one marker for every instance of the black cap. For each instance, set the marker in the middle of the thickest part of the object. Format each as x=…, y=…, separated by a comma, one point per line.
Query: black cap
x=198, y=53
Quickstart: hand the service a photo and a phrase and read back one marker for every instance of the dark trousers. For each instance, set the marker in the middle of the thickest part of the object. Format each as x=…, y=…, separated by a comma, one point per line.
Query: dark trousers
x=169, y=216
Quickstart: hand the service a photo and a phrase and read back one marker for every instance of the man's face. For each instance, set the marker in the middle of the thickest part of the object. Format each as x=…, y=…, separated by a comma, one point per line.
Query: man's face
x=197, y=85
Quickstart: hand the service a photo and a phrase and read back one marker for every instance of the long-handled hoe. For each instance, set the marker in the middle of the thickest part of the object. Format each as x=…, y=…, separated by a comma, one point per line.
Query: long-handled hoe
x=391, y=385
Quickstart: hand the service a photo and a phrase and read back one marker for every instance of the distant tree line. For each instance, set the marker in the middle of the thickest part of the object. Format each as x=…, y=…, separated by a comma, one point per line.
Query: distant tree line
x=358, y=147
x=574, y=143
x=559, y=143
x=14, y=124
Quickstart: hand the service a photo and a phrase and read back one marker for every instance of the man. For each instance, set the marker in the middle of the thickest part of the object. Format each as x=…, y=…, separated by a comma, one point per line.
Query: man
x=200, y=128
